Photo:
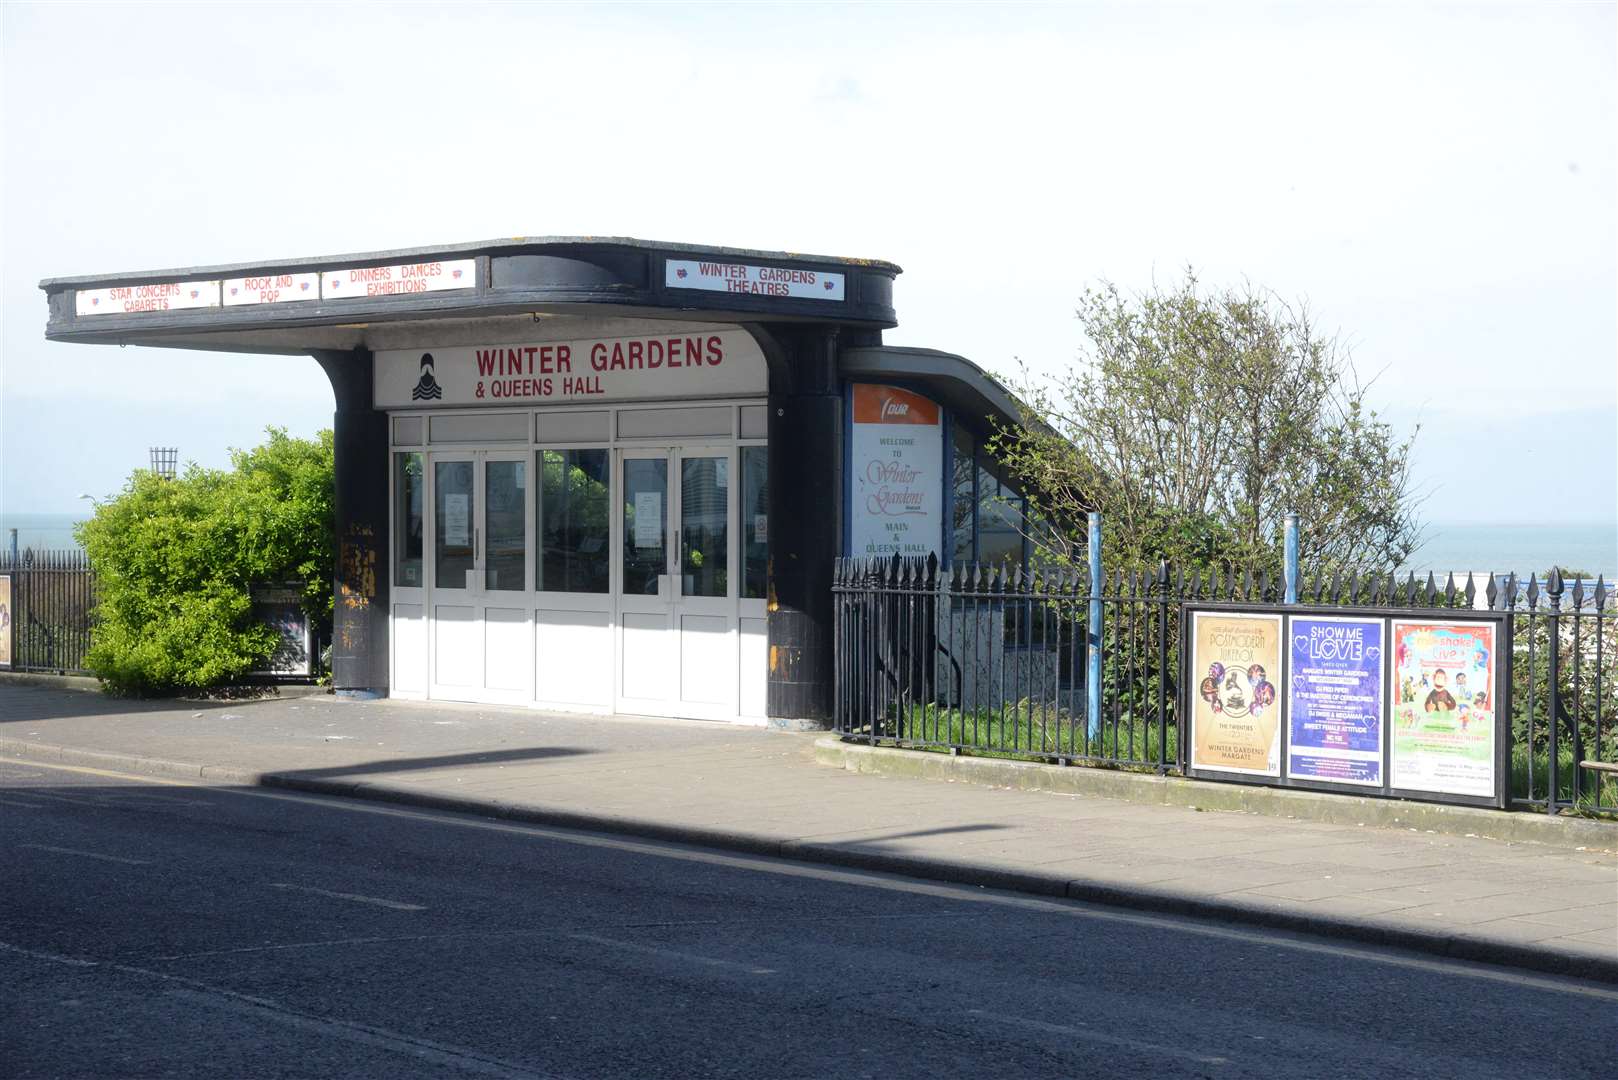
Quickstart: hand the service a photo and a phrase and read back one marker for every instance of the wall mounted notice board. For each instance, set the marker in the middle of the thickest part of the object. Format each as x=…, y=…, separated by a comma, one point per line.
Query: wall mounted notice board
x=1400, y=704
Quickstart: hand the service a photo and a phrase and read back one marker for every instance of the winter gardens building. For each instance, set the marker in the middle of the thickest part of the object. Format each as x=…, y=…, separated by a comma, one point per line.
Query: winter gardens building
x=600, y=474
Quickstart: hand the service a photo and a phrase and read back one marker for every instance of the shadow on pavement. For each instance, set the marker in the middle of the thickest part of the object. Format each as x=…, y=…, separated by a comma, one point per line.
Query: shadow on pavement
x=444, y=761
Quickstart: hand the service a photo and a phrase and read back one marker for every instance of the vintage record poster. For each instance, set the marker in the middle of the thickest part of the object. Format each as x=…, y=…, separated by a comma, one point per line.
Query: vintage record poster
x=1235, y=709
x=8, y=613
x=1444, y=679
x=1334, y=699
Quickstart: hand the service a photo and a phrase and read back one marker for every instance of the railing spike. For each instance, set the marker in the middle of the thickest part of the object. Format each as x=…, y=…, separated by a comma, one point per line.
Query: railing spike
x=1533, y=591
x=1578, y=593
x=1471, y=592
x=1601, y=594
x=1449, y=589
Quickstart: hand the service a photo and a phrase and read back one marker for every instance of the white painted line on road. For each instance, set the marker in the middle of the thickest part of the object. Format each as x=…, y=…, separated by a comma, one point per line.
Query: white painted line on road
x=87, y=854
x=763, y=864
x=459, y=1058
x=444, y=1055
x=49, y=957
x=20, y=803
x=396, y=905
x=1082, y=1031
x=672, y=954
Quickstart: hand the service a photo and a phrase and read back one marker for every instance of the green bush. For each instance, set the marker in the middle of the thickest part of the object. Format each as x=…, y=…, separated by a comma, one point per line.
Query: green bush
x=175, y=560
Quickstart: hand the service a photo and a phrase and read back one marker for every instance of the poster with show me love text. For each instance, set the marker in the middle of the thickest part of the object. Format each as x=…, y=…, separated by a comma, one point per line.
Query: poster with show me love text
x=1334, y=707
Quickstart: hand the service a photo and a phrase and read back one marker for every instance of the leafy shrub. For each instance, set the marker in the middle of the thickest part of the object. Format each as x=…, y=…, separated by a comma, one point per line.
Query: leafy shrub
x=175, y=560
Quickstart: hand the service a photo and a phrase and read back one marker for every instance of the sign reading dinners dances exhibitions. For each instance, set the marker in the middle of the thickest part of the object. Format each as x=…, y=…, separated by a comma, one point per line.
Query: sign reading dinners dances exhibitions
x=347, y=283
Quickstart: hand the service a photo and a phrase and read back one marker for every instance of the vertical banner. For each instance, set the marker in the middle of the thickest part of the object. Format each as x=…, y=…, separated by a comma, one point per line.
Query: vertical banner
x=1334, y=699
x=898, y=473
x=1235, y=715
x=1444, y=681
x=7, y=621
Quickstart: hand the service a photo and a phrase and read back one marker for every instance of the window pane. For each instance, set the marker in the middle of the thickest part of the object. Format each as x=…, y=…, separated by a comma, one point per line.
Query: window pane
x=704, y=532
x=755, y=522
x=963, y=498
x=505, y=549
x=408, y=493
x=574, y=497
x=646, y=555
x=999, y=520
x=453, y=514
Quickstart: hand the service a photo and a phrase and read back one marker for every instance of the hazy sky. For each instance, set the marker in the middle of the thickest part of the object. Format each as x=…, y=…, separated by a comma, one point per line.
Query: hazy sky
x=1438, y=182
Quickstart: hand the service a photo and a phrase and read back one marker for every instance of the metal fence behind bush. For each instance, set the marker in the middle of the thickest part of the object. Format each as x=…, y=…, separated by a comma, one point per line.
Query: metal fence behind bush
x=52, y=595
x=993, y=660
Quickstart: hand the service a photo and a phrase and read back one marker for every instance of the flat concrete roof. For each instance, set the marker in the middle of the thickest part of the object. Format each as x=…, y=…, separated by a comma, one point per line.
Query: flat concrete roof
x=293, y=305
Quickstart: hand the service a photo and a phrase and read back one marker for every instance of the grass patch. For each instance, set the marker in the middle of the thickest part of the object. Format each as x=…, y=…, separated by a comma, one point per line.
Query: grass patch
x=1029, y=731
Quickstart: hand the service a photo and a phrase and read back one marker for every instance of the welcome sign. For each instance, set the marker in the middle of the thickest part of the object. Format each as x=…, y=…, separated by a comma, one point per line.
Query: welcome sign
x=897, y=469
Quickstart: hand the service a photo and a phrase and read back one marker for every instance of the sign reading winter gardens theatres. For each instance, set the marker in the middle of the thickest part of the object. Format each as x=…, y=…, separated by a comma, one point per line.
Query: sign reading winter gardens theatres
x=897, y=472
x=1389, y=704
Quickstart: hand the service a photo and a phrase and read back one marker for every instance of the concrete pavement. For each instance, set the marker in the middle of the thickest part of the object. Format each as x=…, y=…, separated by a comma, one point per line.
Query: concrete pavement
x=1533, y=905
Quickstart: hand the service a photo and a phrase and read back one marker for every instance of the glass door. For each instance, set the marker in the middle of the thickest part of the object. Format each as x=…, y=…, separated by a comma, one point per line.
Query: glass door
x=455, y=658
x=677, y=585
x=706, y=586
x=503, y=607
x=481, y=628
x=647, y=657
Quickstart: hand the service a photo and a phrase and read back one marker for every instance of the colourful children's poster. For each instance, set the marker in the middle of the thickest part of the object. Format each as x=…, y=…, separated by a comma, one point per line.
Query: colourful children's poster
x=1236, y=712
x=1444, y=682
x=1334, y=699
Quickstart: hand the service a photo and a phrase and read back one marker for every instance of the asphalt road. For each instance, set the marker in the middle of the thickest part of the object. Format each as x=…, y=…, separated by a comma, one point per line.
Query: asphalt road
x=153, y=928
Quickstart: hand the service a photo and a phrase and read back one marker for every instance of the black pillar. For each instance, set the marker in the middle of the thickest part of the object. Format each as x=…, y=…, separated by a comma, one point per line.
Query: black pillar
x=806, y=500
x=360, y=600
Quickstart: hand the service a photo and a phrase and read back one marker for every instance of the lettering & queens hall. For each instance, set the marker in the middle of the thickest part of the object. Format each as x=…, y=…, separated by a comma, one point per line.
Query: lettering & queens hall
x=600, y=475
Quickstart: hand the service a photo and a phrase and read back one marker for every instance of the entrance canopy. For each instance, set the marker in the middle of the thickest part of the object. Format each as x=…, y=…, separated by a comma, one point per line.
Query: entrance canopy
x=379, y=299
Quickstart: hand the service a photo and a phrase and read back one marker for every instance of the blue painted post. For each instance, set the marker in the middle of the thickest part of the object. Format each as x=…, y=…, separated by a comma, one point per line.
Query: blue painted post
x=1292, y=557
x=1093, y=636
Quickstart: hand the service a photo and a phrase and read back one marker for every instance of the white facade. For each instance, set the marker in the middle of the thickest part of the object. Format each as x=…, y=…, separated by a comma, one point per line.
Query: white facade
x=603, y=554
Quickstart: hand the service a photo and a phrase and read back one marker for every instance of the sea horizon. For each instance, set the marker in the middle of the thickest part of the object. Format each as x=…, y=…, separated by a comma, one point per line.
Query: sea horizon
x=1447, y=547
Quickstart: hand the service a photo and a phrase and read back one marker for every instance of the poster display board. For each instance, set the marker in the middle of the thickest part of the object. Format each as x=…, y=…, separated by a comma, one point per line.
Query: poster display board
x=1236, y=656
x=8, y=628
x=897, y=470
x=1404, y=704
x=1335, y=677
x=1444, y=707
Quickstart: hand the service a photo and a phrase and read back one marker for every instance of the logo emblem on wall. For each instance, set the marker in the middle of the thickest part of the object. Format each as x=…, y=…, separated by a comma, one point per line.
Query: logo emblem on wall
x=680, y=272
x=426, y=388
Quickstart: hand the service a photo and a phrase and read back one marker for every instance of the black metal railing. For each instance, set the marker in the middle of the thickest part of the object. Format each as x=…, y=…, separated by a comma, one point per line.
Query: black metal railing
x=996, y=661
x=52, y=597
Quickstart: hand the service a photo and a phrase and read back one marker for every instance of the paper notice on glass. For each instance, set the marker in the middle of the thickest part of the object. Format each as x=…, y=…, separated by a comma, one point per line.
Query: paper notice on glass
x=648, y=519
x=457, y=520
x=761, y=528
